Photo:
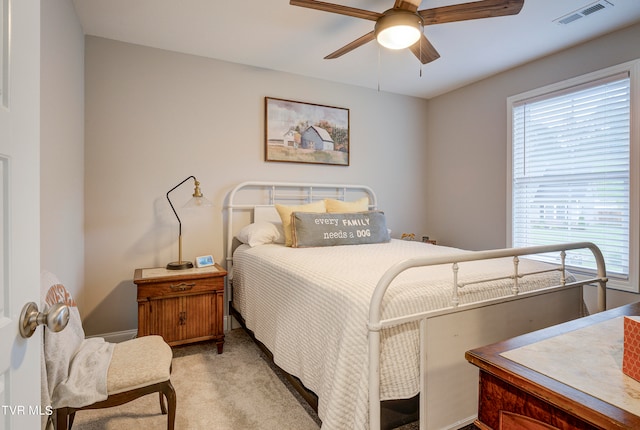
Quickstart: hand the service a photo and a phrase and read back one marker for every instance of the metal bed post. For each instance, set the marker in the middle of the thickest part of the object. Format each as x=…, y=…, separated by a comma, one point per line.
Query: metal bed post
x=455, y=301
x=515, y=289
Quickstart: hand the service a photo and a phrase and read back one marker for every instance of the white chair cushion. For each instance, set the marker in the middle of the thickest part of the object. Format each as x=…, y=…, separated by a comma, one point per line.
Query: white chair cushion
x=138, y=363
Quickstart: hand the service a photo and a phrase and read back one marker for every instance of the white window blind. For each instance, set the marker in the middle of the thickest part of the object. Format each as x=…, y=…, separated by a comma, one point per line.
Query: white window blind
x=571, y=170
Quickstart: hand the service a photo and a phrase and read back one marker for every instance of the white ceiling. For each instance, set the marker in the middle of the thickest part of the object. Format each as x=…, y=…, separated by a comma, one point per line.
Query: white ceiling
x=275, y=35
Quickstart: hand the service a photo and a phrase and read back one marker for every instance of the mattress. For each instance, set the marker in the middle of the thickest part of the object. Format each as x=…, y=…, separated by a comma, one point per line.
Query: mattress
x=309, y=306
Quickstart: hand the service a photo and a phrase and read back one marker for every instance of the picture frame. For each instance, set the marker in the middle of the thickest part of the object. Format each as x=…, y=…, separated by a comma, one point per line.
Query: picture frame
x=205, y=261
x=300, y=132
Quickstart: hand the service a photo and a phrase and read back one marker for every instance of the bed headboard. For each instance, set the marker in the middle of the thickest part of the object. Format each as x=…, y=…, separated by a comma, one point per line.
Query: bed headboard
x=255, y=201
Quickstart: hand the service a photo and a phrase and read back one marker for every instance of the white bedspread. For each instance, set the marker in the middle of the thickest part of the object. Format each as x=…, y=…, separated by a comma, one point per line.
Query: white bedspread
x=309, y=306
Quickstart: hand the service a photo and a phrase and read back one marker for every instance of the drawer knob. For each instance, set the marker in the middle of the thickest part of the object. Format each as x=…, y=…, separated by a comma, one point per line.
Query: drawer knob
x=182, y=287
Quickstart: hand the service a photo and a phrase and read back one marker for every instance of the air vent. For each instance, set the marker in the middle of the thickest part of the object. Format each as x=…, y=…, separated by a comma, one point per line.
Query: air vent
x=583, y=12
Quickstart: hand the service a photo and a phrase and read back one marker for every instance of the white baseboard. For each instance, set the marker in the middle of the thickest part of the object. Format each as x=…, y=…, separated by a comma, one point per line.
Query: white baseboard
x=120, y=336
x=462, y=423
x=230, y=323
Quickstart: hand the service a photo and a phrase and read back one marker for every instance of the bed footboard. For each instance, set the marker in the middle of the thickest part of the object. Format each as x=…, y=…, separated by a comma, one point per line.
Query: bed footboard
x=448, y=386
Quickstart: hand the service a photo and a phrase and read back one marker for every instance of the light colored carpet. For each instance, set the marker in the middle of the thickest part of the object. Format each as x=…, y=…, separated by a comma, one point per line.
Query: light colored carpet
x=234, y=390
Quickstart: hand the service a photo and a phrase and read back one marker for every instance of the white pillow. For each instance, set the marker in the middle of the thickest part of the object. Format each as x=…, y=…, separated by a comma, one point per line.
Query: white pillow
x=260, y=233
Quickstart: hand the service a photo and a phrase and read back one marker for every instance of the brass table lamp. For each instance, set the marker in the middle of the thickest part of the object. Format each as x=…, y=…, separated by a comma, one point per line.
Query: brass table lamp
x=198, y=200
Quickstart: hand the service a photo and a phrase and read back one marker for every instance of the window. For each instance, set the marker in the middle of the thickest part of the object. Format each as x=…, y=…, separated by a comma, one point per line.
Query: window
x=573, y=170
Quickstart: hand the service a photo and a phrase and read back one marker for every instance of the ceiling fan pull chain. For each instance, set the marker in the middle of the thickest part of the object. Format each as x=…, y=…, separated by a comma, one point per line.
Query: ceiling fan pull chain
x=420, y=62
x=378, y=68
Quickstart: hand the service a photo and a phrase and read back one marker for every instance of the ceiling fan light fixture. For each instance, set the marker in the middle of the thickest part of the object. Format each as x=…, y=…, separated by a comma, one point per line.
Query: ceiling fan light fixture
x=398, y=29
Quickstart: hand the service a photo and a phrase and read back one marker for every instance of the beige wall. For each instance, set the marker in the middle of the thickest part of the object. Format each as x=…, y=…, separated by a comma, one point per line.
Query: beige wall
x=62, y=145
x=467, y=143
x=155, y=117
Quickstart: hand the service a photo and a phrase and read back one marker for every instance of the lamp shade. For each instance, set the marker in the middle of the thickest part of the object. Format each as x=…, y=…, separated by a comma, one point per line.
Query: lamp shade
x=197, y=200
x=398, y=29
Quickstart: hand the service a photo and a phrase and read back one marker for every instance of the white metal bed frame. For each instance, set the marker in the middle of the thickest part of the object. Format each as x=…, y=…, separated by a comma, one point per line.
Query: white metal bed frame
x=442, y=323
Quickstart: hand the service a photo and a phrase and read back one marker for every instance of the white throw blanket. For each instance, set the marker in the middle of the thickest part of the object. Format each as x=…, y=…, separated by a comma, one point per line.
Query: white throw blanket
x=74, y=368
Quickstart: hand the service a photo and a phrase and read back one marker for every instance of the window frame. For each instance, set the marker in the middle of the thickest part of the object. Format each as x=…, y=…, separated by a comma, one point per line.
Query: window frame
x=630, y=283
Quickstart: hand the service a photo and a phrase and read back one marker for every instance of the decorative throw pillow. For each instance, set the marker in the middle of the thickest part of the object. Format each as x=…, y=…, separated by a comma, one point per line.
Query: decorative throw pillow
x=359, y=205
x=286, y=211
x=330, y=229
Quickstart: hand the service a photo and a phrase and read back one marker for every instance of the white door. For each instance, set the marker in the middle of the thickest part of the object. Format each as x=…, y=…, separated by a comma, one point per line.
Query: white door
x=19, y=211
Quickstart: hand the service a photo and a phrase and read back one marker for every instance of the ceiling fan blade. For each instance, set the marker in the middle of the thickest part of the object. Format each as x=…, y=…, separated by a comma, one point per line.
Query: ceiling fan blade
x=336, y=8
x=410, y=5
x=351, y=46
x=424, y=50
x=474, y=10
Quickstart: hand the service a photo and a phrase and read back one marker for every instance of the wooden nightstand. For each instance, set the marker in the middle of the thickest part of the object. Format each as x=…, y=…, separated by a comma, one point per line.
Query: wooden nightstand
x=182, y=306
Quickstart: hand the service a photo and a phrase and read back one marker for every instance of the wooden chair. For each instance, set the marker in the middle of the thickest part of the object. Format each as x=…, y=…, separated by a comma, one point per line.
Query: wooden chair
x=136, y=367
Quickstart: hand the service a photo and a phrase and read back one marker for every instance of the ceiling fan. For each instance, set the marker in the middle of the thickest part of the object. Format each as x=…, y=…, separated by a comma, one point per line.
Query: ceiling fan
x=402, y=26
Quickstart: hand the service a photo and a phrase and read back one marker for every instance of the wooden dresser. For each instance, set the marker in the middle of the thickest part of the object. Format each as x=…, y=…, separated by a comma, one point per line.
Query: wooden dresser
x=182, y=306
x=514, y=396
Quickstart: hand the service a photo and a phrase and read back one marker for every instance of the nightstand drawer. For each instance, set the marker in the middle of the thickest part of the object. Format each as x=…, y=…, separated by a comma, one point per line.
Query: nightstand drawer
x=179, y=287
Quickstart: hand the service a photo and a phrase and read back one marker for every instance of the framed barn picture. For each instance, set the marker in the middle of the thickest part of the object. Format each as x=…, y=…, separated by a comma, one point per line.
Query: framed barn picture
x=300, y=132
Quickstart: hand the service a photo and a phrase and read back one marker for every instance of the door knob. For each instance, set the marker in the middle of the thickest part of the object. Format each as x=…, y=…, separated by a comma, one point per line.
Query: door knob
x=55, y=318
